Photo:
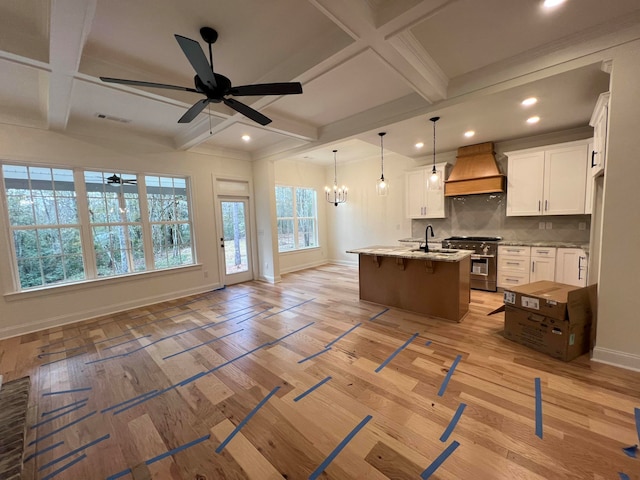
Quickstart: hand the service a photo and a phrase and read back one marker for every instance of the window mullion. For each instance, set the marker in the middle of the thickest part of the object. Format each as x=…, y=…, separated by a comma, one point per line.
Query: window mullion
x=295, y=219
x=147, y=239
x=86, y=235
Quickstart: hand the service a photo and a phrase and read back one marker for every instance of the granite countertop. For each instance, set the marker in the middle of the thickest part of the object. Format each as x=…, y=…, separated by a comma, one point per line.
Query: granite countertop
x=441, y=255
x=525, y=243
x=420, y=240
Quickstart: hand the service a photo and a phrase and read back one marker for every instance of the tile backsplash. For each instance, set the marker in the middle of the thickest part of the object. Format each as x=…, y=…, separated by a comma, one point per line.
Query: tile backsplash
x=485, y=215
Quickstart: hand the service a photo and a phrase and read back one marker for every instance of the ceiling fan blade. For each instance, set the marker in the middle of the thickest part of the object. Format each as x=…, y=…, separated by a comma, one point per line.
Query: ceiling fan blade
x=193, y=112
x=147, y=84
x=247, y=111
x=285, y=88
x=198, y=60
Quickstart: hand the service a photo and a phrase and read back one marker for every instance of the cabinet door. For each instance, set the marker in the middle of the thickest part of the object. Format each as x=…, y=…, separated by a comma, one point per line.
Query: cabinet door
x=542, y=268
x=599, y=123
x=435, y=198
x=416, y=194
x=588, y=194
x=525, y=184
x=565, y=173
x=571, y=266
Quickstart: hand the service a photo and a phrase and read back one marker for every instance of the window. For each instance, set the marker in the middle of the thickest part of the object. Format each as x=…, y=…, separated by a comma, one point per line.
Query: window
x=297, y=218
x=125, y=215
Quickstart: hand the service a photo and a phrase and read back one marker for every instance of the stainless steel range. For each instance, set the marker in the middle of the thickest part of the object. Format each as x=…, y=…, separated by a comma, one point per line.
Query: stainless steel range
x=484, y=262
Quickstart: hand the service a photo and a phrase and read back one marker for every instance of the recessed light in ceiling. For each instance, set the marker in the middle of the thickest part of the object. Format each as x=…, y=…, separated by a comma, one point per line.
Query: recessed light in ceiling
x=419, y=145
x=534, y=119
x=246, y=138
x=469, y=133
x=552, y=3
x=529, y=101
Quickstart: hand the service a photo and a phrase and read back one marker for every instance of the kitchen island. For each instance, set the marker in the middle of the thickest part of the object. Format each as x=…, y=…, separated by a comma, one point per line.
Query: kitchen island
x=436, y=283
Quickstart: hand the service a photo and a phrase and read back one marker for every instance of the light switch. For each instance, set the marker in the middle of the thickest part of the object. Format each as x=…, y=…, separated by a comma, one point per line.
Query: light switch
x=549, y=225
x=541, y=226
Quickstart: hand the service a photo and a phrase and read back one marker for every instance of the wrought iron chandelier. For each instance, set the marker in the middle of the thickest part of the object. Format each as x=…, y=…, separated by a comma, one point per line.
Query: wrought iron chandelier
x=336, y=195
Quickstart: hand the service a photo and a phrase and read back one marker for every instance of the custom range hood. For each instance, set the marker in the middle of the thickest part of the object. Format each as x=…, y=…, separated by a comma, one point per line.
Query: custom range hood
x=475, y=171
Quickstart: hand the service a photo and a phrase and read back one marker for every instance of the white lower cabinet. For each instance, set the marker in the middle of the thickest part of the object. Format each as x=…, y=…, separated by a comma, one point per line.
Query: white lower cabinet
x=571, y=266
x=513, y=265
x=543, y=264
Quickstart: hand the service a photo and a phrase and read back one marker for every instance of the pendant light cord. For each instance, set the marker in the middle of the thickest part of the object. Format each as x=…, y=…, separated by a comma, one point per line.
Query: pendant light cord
x=335, y=169
x=382, y=134
x=434, y=120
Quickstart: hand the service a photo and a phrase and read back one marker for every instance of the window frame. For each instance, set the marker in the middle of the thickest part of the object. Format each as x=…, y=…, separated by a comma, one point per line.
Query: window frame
x=85, y=226
x=295, y=219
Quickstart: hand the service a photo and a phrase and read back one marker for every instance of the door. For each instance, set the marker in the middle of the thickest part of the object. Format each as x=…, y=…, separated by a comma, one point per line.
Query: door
x=235, y=240
x=525, y=184
x=565, y=176
x=415, y=194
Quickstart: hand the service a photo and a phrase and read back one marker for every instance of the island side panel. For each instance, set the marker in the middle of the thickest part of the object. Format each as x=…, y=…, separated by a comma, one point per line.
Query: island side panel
x=430, y=287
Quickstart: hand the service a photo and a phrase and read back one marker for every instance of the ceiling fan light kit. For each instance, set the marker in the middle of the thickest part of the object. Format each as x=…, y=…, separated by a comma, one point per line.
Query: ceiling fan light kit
x=214, y=86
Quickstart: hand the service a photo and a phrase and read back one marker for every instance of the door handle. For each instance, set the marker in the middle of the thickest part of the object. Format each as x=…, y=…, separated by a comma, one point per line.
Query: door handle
x=593, y=154
x=546, y=205
x=538, y=205
x=533, y=267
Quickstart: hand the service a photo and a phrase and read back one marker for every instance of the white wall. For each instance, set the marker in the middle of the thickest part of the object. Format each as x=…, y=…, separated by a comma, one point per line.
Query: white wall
x=30, y=311
x=300, y=174
x=367, y=219
x=619, y=288
x=267, y=235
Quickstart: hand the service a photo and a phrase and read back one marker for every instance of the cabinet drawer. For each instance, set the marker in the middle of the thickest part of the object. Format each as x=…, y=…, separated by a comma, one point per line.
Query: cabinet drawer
x=507, y=279
x=545, y=252
x=514, y=251
x=513, y=264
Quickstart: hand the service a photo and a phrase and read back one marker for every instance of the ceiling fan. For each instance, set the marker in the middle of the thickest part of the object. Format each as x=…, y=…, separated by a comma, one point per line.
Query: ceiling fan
x=118, y=180
x=214, y=86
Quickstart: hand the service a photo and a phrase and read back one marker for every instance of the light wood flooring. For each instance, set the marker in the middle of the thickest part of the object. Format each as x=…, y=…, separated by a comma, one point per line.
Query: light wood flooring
x=221, y=386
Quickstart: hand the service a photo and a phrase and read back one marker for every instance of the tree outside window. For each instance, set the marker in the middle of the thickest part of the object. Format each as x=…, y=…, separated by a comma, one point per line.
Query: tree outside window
x=297, y=219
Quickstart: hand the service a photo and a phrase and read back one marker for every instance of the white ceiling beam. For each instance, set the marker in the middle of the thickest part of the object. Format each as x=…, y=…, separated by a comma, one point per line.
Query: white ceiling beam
x=69, y=26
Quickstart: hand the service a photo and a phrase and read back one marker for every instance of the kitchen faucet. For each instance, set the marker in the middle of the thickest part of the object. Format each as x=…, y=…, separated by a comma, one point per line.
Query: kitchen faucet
x=426, y=238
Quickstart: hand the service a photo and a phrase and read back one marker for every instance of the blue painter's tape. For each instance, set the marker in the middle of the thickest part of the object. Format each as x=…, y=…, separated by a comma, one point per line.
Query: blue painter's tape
x=240, y=309
x=252, y=316
x=428, y=343
x=128, y=341
x=77, y=407
x=376, y=316
x=343, y=335
x=314, y=355
x=177, y=449
x=321, y=468
x=44, y=450
x=61, y=351
x=66, y=406
x=289, y=334
x=192, y=378
x=64, y=467
x=119, y=474
x=453, y=423
x=201, y=344
x=439, y=461
x=443, y=387
x=623, y=476
x=127, y=401
x=398, y=350
x=631, y=451
x=637, y=415
x=246, y=419
x=538, y=407
x=73, y=452
x=317, y=385
x=290, y=308
x=33, y=442
x=146, y=398
x=61, y=392
x=111, y=338
x=62, y=359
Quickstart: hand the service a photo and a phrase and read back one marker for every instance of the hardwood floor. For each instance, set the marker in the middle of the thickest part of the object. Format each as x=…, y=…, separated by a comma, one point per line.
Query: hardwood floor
x=302, y=380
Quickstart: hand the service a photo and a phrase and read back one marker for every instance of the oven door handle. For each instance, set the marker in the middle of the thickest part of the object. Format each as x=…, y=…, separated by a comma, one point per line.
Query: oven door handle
x=480, y=257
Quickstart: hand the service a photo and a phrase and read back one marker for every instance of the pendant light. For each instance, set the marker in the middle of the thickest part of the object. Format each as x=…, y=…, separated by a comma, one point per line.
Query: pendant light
x=435, y=179
x=337, y=195
x=382, y=185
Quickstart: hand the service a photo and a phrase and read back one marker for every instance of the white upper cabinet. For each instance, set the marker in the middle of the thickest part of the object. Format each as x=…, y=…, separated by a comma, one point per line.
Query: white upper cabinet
x=547, y=181
x=421, y=202
x=599, y=122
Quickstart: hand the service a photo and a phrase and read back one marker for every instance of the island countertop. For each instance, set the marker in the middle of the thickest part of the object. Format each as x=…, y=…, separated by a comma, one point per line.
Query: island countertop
x=440, y=254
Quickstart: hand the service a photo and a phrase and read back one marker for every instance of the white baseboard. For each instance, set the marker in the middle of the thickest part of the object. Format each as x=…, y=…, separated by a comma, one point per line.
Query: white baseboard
x=346, y=263
x=270, y=278
x=303, y=266
x=16, y=330
x=616, y=358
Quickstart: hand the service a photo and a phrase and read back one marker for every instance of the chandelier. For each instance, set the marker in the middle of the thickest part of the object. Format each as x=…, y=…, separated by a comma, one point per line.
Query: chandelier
x=336, y=195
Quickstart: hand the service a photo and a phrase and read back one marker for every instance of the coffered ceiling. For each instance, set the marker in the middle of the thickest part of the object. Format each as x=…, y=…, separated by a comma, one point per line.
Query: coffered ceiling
x=365, y=66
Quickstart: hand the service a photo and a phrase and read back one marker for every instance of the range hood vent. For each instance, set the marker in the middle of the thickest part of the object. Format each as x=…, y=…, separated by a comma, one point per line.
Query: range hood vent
x=475, y=171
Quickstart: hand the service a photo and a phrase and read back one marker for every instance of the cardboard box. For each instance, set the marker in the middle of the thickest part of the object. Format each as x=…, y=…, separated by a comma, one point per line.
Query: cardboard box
x=550, y=317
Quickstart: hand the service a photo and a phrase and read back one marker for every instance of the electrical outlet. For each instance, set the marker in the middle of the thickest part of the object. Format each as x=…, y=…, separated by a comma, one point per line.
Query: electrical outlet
x=549, y=225
x=582, y=226
x=541, y=226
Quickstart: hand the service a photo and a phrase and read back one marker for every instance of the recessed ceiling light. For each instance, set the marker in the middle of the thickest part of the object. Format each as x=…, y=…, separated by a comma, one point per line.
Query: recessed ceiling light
x=419, y=145
x=529, y=101
x=535, y=119
x=552, y=3
x=469, y=133
x=246, y=138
